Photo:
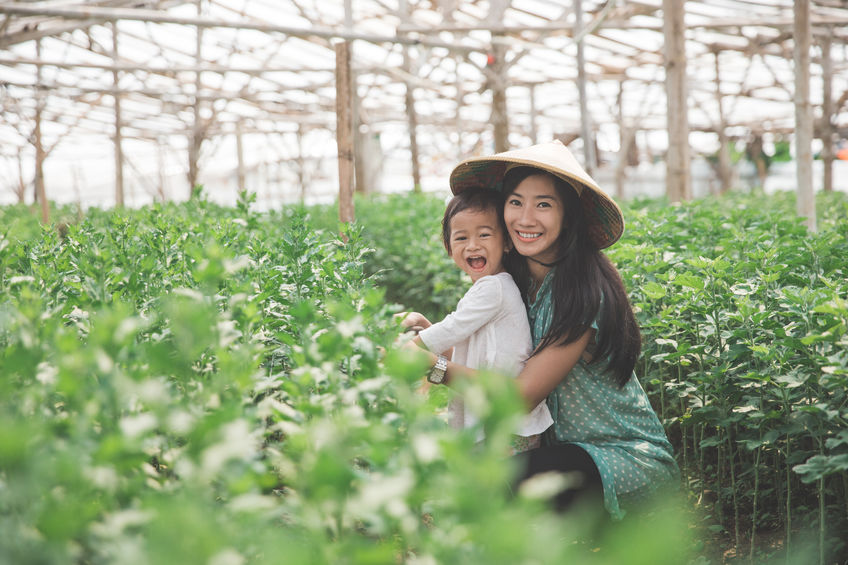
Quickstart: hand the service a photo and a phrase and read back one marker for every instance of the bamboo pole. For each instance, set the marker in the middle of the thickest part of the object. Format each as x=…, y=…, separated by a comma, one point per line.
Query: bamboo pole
x=806, y=198
x=678, y=179
x=589, y=159
x=827, y=114
x=344, y=131
x=118, y=141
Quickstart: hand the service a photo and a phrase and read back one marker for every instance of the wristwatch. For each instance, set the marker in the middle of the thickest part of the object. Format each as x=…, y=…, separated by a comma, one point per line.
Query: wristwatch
x=437, y=373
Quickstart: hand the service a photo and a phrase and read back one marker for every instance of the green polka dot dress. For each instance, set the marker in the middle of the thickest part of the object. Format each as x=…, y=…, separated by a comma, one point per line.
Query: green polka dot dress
x=616, y=426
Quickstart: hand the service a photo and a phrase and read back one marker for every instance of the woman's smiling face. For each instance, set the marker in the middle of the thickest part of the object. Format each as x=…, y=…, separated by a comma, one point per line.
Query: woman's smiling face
x=534, y=214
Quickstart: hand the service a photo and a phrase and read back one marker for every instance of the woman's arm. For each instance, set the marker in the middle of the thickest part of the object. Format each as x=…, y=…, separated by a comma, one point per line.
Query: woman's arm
x=547, y=368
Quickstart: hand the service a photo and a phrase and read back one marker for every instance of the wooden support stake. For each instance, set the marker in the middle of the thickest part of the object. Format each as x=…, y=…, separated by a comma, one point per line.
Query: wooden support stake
x=806, y=198
x=678, y=178
x=344, y=131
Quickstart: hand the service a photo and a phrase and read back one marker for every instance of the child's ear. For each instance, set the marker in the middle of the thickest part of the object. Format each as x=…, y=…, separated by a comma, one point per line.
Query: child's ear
x=507, y=246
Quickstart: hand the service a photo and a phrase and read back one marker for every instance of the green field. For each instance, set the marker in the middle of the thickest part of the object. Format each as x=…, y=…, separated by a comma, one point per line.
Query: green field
x=187, y=383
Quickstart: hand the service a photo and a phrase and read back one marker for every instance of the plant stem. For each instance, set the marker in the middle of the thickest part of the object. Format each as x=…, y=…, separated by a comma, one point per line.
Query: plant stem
x=731, y=452
x=788, y=502
x=754, y=503
x=821, y=520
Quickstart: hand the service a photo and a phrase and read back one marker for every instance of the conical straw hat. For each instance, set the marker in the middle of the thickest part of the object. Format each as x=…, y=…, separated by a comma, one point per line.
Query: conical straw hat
x=605, y=221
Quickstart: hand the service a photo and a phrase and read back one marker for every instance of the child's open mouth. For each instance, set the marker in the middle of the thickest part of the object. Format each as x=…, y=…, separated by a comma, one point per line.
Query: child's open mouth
x=477, y=263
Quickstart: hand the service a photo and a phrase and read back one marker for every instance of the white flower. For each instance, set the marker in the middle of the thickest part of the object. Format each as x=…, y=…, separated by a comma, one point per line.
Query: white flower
x=137, y=424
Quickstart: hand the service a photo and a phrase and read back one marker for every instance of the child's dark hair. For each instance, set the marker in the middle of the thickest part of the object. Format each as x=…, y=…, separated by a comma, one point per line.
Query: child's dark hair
x=586, y=286
x=477, y=199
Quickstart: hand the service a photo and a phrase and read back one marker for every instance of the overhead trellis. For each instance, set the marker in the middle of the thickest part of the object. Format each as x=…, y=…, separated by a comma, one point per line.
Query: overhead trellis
x=443, y=78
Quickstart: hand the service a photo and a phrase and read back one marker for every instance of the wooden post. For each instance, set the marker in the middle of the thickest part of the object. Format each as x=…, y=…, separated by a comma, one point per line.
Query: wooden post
x=724, y=172
x=627, y=137
x=589, y=158
x=534, y=134
x=21, y=190
x=500, y=121
x=412, y=120
x=827, y=129
x=344, y=131
x=460, y=95
x=301, y=164
x=678, y=179
x=806, y=198
x=196, y=130
x=119, y=150
x=160, y=153
x=239, y=160
x=40, y=192
x=409, y=100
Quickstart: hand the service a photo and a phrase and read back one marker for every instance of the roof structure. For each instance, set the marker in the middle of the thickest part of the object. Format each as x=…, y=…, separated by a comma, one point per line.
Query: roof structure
x=241, y=93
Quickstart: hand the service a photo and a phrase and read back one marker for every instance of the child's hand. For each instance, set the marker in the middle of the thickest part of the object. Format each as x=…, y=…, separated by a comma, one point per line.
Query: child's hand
x=413, y=320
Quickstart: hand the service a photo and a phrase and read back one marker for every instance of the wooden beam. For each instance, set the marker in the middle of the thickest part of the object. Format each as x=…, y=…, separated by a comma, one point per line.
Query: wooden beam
x=806, y=198
x=164, y=17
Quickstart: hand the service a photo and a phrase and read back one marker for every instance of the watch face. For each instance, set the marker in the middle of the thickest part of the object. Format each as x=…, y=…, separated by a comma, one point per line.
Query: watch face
x=436, y=376
x=437, y=373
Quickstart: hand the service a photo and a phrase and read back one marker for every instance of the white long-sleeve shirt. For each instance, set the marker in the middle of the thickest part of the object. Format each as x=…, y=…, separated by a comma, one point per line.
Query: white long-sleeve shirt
x=489, y=330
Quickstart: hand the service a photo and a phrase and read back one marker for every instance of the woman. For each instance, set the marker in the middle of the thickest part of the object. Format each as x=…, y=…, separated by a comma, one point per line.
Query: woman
x=585, y=336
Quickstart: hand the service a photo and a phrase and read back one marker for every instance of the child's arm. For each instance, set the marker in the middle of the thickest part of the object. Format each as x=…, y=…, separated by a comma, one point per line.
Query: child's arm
x=540, y=375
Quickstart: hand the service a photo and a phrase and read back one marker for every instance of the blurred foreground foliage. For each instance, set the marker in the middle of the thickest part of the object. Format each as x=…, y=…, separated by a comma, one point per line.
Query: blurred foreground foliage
x=187, y=383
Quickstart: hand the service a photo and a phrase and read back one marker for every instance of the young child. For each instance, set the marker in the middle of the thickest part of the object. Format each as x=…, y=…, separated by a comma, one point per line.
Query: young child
x=489, y=328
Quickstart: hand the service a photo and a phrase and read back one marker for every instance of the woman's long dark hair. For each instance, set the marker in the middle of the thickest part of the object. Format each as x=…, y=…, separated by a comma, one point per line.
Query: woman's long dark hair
x=583, y=278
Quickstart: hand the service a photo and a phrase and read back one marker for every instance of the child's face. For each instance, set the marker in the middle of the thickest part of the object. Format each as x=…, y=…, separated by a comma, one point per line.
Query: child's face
x=477, y=244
